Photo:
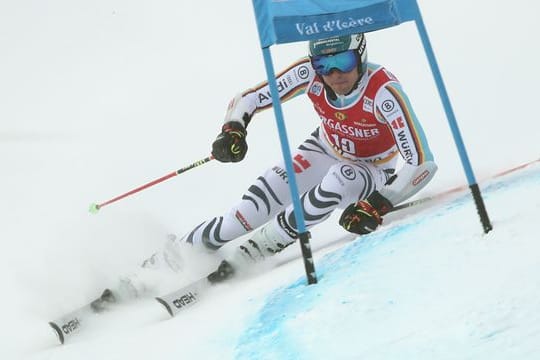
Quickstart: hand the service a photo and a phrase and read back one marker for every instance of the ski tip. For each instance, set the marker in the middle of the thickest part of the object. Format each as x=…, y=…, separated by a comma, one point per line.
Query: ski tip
x=58, y=332
x=166, y=305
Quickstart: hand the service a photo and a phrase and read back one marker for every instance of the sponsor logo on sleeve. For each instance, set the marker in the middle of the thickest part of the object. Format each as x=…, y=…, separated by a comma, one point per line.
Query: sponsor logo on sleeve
x=302, y=72
x=417, y=180
x=388, y=106
x=405, y=147
x=289, y=80
x=283, y=85
x=398, y=123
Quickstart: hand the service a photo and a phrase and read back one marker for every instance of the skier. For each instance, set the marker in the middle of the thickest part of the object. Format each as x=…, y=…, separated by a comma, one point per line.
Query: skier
x=348, y=162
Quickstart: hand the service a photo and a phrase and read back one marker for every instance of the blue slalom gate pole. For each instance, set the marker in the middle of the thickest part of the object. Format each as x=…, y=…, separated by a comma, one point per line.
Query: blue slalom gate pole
x=303, y=235
x=475, y=190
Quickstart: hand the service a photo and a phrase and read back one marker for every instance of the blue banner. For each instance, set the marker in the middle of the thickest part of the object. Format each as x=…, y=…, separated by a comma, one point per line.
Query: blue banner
x=284, y=21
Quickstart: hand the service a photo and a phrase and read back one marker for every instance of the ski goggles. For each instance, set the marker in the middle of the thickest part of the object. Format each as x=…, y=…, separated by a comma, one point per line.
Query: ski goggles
x=344, y=61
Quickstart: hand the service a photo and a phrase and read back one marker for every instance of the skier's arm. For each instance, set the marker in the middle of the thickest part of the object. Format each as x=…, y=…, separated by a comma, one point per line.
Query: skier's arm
x=392, y=106
x=291, y=82
x=231, y=145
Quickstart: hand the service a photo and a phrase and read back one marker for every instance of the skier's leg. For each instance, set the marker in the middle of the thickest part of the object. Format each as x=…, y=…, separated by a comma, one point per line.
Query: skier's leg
x=343, y=184
x=264, y=199
x=153, y=272
x=268, y=195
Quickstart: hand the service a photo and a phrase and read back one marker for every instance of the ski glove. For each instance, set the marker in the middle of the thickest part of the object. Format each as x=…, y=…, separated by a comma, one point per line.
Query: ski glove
x=365, y=215
x=230, y=145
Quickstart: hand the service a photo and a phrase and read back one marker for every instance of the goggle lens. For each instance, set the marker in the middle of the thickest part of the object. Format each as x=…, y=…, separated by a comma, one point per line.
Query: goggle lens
x=344, y=61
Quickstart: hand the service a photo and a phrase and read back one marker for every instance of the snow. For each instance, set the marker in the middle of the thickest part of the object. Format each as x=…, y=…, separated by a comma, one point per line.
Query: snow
x=98, y=98
x=461, y=292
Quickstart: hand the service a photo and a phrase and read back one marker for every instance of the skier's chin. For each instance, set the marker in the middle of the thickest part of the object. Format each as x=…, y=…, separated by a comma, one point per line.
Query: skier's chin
x=342, y=90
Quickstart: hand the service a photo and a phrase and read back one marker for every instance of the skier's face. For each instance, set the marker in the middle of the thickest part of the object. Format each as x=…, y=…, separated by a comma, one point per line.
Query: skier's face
x=340, y=82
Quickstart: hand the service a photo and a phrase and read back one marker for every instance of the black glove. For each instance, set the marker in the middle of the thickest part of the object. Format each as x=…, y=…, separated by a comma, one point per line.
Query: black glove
x=365, y=216
x=230, y=145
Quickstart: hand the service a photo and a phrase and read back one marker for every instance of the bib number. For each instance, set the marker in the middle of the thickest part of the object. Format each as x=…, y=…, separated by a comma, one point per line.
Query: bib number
x=344, y=144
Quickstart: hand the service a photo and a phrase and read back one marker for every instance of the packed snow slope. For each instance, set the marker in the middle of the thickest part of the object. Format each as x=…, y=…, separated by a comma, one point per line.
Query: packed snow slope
x=97, y=98
x=428, y=285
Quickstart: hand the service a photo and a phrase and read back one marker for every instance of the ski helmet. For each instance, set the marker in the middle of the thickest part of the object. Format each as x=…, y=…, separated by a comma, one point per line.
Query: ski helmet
x=338, y=44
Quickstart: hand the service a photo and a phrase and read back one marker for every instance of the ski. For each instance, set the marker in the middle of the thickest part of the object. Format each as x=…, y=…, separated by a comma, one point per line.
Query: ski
x=190, y=294
x=69, y=325
x=184, y=297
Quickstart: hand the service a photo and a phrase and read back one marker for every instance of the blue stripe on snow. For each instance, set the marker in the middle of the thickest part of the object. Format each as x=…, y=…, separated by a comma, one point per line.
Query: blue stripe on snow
x=272, y=333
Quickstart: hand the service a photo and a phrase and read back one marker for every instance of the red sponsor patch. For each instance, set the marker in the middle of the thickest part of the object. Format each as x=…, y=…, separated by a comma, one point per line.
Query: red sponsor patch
x=243, y=221
x=420, y=177
x=398, y=123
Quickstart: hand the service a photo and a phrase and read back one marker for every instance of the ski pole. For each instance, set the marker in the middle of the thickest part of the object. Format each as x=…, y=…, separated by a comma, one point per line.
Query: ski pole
x=94, y=208
x=427, y=198
x=459, y=188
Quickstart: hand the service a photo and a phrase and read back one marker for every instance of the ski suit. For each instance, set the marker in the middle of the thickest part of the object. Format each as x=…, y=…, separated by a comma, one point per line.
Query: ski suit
x=352, y=152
